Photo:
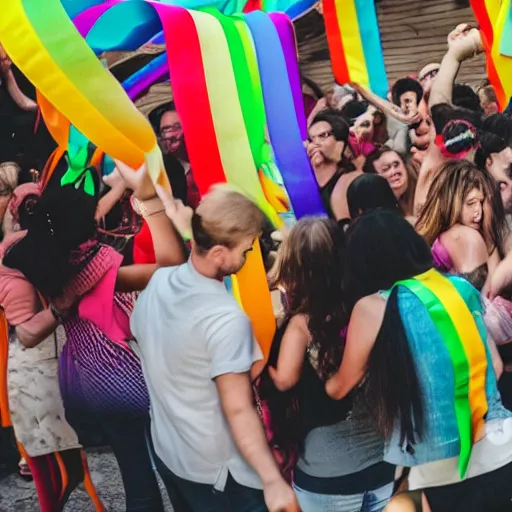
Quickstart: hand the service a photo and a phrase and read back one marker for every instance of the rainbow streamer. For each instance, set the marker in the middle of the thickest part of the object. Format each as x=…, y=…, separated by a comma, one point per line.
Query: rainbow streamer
x=495, y=20
x=58, y=63
x=459, y=332
x=354, y=44
x=222, y=89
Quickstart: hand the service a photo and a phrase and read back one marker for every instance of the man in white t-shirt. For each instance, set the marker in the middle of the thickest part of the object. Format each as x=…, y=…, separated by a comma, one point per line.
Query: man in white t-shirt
x=197, y=350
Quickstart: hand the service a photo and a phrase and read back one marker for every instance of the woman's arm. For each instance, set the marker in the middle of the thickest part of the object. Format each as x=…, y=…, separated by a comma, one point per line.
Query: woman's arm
x=168, y=244
x=37, y=329
x=291, y=354
x=24, y=102
x=113, y=196
x=463, y=43
x=364, y=326
x=390, y=109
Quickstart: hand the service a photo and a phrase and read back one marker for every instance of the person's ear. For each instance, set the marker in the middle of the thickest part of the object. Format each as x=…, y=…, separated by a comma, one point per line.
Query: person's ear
x=488, y=162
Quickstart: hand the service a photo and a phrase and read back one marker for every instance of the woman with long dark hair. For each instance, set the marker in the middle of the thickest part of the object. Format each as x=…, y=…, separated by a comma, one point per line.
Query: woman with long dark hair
x=91, y=295
x=337, y=453
x=417, y=344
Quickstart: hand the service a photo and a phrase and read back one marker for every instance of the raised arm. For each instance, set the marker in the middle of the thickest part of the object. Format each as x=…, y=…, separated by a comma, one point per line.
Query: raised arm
x=463, y=44
x=168, y=244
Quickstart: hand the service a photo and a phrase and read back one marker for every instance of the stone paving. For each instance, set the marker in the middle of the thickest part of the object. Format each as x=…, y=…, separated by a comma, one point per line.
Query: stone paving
x=17, y=495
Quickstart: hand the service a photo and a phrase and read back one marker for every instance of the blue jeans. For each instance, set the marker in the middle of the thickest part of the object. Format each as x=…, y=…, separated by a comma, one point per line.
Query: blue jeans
x=204, y=498
x=369, y=501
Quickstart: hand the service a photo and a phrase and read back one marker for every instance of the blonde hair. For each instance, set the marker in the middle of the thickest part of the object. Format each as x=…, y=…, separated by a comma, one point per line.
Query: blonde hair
x=225, y=217
x=9, y=175
x=446, y=196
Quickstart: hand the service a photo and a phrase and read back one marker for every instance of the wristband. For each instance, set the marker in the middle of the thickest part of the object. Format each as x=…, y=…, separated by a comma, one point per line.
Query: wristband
x=148, y=208
x=56, y=314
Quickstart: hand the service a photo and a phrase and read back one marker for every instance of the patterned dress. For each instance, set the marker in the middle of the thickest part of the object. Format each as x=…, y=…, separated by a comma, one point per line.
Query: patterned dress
x=97, y=374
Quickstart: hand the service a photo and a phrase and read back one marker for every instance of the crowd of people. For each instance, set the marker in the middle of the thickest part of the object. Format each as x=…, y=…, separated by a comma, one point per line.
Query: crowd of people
x=389, y=380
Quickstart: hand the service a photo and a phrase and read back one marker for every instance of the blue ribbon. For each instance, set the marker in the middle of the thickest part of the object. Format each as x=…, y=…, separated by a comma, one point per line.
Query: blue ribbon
x=285, y=136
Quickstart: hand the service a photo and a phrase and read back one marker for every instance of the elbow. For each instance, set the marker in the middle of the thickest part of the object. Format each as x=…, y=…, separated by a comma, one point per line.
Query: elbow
x=284, y=384
x=27, y=339
x=335, y=390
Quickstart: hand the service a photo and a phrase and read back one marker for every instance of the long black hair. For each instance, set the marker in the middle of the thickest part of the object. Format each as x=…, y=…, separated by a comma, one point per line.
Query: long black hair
x=370, y=191
x=61, y=220
x=382, y=249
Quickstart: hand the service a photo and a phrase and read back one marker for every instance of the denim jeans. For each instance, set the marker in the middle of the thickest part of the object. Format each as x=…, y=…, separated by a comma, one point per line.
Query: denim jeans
x=369, y=501
x=204, y=498
x=126, y=435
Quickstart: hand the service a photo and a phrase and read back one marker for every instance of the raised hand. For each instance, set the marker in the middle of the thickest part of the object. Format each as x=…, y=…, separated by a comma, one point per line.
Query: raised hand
x=180, y=215
x=137, y=180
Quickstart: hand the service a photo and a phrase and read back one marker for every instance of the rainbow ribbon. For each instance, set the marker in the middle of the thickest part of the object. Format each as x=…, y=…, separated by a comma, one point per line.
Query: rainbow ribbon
x=354, y=44
x=495, y=20
x=58, y=63
x=459, y=332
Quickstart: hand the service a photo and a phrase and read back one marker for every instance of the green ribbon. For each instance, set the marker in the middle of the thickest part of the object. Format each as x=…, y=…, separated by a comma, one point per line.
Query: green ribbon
x=78, y=171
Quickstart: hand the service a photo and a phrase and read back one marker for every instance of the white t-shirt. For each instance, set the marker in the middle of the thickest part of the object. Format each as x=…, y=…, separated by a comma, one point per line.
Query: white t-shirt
x=190, y=330
x=493, y=452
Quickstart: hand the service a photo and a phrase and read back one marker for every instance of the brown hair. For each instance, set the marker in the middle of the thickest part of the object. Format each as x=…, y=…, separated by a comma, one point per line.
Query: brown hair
x=446, y=195
x=407, y=198
x=224, y=217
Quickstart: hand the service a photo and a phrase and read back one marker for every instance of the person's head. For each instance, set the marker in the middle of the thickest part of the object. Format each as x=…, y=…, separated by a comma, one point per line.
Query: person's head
x=9, y=178
x=427, y=75
x=488, y=100
x=459, y=194
x=463, y=96
x=382, y=249
x=22, y=205
x=327, y=138
x=495, y=154
x=368, y=192
x=390, y=165
x=457, y=130
x=407, y=93
x=225, y=226
x=167, y=124
x=59, y=222
x=309, y=267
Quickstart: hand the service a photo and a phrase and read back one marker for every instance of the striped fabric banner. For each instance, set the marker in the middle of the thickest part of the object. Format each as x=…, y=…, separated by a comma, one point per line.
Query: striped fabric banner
x=459, y=332
x=354, y=44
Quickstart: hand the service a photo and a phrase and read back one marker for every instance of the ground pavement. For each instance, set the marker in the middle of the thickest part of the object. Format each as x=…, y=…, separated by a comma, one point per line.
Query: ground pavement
x=17, y=495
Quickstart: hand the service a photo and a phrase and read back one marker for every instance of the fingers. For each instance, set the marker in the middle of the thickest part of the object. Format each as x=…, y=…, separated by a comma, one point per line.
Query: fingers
x=166, y=197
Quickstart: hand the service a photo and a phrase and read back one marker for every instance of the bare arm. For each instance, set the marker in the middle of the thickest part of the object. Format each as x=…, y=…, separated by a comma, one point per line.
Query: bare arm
x=291, y=354
x=37, y=329
x=108, y=201
x=169, y=251
x=24, y=102
x=235, y=393
x=463, y=43
x=385, y=106
x=363, y=328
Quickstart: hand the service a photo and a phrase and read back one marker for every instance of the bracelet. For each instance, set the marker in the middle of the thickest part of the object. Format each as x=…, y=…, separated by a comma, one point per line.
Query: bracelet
x=148, y=208
x=56, y=314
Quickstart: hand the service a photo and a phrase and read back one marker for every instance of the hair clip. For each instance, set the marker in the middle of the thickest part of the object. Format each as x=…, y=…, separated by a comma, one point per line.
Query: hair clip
x=49, y=221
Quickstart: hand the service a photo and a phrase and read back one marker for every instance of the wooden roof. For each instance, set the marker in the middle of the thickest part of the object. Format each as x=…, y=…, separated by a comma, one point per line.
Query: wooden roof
x=413, y=33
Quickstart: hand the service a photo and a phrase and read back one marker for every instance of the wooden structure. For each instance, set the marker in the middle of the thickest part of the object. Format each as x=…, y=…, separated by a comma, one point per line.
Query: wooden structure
x=413, y=34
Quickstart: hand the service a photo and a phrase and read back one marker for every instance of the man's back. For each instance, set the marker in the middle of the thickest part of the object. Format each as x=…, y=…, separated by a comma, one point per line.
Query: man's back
x=190, y=331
